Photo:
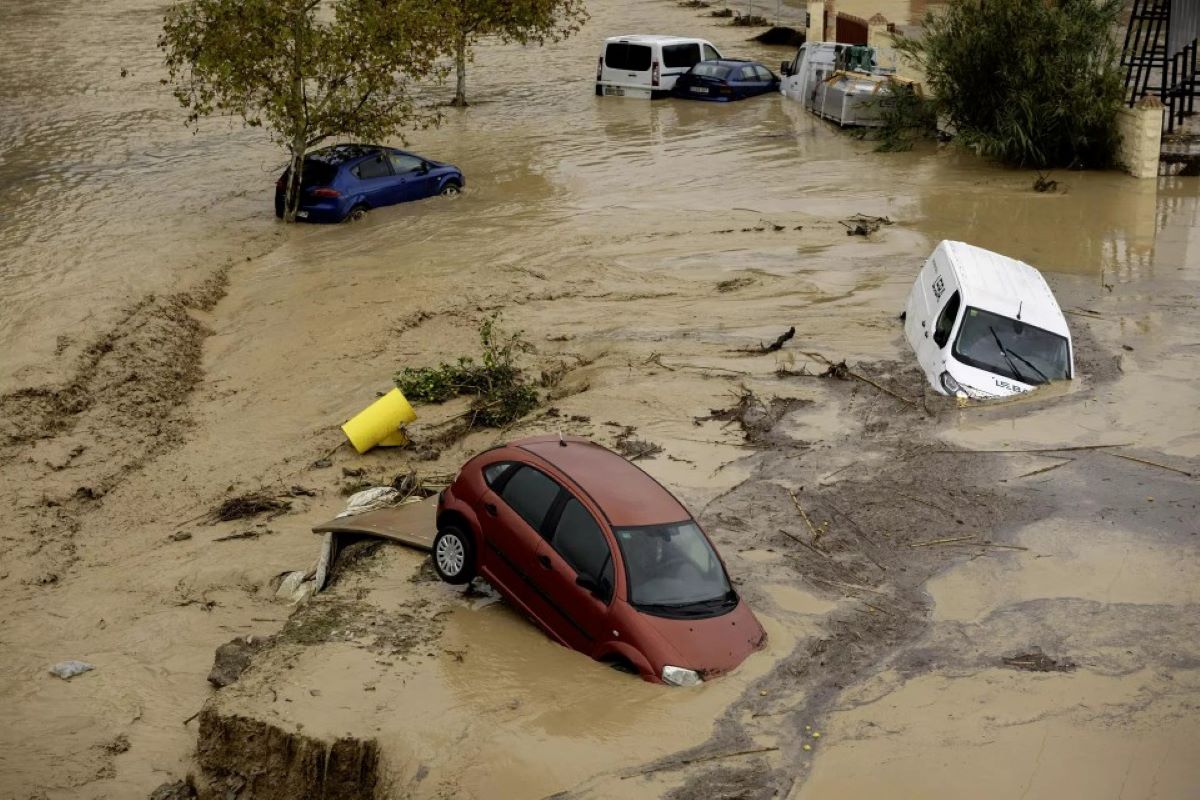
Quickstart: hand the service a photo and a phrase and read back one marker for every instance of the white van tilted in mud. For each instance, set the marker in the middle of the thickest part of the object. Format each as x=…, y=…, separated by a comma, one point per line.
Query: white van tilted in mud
x=985, y=325
x=648, y=66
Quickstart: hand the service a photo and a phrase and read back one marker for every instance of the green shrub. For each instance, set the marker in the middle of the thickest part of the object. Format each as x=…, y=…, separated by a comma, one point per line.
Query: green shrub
x=1033, y=83
x=907, y=116
x=502, y=393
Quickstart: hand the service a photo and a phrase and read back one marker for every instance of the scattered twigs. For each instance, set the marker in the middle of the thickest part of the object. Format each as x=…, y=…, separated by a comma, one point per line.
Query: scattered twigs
x=1153, y=464
x=1071, y=449
x=683, y=762
x=1062, y=463
x=876, y=608
x=926, y=503
x=803, y=543
x=656, y=358
x=863, y=378
x=812, y=531
x=952, y=540
x=845, y=585
x=192, y=717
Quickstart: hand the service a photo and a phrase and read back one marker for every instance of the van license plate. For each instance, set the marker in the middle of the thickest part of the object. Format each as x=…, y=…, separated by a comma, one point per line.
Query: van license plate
x=698, y=89
x=615, y=91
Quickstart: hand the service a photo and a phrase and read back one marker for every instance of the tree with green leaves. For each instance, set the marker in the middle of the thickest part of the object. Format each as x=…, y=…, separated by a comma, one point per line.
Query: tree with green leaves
x=303, y=70
x=1032, y=83
x=522, y=21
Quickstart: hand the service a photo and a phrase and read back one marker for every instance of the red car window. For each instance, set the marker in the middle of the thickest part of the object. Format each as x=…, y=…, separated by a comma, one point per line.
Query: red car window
x=530, y=493
x=580, y=541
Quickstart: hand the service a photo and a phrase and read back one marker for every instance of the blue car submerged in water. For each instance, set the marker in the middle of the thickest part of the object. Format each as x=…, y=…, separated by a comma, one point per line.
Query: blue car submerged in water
x=725, y=80
x=347, y=180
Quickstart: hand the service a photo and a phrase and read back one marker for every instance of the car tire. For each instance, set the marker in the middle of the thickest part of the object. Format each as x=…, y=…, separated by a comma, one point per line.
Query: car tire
x=357, y=214
x=451, y=189
x=454, y=555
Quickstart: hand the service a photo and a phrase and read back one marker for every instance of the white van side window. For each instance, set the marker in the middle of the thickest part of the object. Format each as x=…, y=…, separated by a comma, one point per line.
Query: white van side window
x=622, y=55
x=681, y=56
x=945, y=321
x=711, y=54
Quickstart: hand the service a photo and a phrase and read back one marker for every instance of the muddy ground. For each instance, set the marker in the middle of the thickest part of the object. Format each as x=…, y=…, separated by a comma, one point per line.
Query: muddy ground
x=642, y=251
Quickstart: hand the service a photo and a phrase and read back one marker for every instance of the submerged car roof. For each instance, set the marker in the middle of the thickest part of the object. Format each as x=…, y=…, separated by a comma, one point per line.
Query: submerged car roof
x=626, y=494
x=1003, y=286
x=651, y=38
x=341, y=153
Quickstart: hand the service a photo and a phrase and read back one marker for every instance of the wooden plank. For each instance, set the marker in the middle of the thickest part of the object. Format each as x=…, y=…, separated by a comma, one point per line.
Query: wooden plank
x=412, y=524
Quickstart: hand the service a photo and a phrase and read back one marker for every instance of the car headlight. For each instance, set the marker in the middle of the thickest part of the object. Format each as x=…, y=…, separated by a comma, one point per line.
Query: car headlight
x=952, y=387
x=678, y=676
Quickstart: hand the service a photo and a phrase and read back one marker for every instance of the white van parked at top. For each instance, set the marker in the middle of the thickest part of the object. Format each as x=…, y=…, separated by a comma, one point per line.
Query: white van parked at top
x=985, y=325
x=648, y=66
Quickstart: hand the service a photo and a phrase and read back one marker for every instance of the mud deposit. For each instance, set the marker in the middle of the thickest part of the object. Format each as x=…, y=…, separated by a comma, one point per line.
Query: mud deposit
x=175, y=366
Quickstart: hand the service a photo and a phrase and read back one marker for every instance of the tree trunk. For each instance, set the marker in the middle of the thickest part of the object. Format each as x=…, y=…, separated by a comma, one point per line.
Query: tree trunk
x=291, y=200
x=460, y=69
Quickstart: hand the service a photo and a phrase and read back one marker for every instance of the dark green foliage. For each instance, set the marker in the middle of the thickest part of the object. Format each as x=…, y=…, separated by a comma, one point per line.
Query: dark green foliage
x=502, y=393
x=907, y=116
x=1032, y=83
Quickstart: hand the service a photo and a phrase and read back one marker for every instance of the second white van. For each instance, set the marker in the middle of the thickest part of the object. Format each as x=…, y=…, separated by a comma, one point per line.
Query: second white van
x=647, y=66
x=984, y=325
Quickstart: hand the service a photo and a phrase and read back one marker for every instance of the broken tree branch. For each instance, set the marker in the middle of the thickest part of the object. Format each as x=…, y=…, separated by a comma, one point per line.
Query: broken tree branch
x=952, y=540
x=1152, y=464
x=683, y=762
x=800, y=541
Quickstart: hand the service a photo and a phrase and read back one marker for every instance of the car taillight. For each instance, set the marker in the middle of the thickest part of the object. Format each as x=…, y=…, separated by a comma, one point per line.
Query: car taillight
x=325, y=191
x=599, y=67
x=654, y=74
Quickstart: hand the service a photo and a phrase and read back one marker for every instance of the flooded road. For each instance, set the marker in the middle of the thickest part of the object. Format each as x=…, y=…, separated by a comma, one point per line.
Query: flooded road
x=603, y=229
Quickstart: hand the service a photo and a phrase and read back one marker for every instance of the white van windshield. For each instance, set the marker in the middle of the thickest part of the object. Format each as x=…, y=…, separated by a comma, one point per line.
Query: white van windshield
x=1012, y=348
x=673, y=569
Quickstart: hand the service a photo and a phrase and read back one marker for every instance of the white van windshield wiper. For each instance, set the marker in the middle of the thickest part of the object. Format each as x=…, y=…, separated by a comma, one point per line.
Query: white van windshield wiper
x=1004, y=352
x=1025, y=360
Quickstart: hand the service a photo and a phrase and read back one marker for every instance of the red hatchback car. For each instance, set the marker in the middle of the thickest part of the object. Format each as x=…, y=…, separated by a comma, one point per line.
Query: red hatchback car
x=599, y=555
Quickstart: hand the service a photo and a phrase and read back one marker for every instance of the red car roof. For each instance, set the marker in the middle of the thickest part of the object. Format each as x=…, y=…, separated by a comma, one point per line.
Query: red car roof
x=626, y=494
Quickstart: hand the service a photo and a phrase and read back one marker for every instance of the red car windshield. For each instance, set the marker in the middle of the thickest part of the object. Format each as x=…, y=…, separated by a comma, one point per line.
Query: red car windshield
x=674, y=567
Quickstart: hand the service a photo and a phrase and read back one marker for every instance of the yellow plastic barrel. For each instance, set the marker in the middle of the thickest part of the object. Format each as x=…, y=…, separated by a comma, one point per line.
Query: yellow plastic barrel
x=379, y=422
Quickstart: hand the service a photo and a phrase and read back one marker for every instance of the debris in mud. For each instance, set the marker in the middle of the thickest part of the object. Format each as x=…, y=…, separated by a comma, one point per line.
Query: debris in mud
x=246, y=534
x=749, y=21
x=756, y=417
x=694, y=4
x=1037, y=661
x=250, y=504
x=179, y=536
x=863, y=225
x=781, y=35
x=233, y=657
x=628, y=445
x=839, y=371
x=178, y=790
x=69, y=669
x=734, y=284
x=118, y=745
x=1043, y=184
x=501, y=390
x=353, y=472
x=779, y=342
x=723, y=13
x=322, y=463
x=302, y=491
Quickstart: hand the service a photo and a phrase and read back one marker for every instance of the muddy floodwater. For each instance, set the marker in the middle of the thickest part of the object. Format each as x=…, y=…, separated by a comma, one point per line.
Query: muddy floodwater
x=166, y=344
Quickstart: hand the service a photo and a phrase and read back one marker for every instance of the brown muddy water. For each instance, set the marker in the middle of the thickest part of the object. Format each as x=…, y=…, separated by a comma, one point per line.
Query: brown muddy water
x=165, y=343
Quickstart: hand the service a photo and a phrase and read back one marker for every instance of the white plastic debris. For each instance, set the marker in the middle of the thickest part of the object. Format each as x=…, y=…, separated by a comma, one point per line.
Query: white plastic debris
x=69, y=669
x=369, y=500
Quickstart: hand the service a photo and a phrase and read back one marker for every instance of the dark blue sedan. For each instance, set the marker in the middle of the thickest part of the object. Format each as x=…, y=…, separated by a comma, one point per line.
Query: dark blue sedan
x=347, y=180
x=724, y=80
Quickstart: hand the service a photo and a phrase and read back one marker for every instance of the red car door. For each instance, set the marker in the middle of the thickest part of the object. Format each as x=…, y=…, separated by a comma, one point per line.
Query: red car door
x=576, y=551
x=512, y=518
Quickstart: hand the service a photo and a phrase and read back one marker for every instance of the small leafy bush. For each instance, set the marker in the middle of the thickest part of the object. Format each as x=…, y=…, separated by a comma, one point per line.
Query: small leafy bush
x=502, y=392
x=1033, y=83
x=907, y=116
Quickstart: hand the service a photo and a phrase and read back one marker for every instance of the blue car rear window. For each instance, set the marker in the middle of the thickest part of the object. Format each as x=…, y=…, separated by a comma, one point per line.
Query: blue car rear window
x=710, y=71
